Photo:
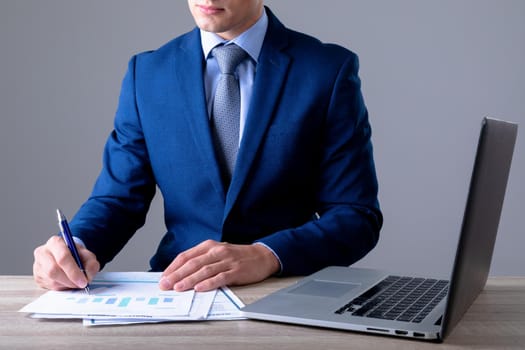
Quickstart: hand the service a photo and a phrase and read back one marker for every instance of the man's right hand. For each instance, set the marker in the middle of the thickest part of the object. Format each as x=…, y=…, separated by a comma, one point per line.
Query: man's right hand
x=55, y=268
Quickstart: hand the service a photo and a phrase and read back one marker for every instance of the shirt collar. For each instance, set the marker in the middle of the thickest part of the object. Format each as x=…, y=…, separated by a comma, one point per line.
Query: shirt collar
x=251, y=40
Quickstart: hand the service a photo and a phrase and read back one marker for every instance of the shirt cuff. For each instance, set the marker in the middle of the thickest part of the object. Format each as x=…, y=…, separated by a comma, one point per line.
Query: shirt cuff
x=78, y=241
x=275, y=254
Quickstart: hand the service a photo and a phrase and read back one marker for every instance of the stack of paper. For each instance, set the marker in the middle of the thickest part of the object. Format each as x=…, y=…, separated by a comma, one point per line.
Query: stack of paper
x=134, y=297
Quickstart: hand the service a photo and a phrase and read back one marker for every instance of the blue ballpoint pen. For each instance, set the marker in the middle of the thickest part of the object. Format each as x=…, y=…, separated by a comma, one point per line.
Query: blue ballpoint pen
x=68, y=238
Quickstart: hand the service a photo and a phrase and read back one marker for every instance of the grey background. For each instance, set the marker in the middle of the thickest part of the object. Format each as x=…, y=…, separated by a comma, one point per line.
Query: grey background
x=430, y=70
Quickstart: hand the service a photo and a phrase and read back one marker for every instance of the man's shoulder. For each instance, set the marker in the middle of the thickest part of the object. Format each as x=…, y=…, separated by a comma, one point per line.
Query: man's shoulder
x=310, y=51
x=298, y=43
x=172, y=48
x=307, y=41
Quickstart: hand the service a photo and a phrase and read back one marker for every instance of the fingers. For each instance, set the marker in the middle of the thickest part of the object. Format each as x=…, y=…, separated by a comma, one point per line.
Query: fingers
x=46, y=272
x=207, y=271
x=213, y=281
x=186, y=256
x=211, y=265
x=188, y=263
x=91, y=264
x=55, y=268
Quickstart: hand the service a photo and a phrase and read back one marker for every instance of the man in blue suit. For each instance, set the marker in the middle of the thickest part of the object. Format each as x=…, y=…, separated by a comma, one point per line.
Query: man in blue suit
x=303, y=191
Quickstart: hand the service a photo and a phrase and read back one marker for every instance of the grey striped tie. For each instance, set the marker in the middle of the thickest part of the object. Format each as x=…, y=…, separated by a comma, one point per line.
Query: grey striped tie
x=226, y=107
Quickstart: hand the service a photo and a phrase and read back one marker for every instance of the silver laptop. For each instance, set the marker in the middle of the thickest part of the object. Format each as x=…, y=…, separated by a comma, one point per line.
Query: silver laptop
x=378, y=302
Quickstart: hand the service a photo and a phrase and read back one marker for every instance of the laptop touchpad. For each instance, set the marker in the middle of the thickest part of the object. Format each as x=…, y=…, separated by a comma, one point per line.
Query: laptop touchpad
x=324, y=288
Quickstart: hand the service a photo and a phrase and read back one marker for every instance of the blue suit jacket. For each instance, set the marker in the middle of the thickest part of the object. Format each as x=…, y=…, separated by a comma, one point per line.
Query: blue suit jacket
x=306, y=149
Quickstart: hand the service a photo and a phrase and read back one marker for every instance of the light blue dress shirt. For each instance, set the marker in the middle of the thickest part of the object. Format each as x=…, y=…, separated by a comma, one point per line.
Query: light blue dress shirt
x=251, y=41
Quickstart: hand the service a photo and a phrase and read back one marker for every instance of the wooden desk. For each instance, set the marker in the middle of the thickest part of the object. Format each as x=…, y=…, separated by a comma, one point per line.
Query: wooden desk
x=495, y=321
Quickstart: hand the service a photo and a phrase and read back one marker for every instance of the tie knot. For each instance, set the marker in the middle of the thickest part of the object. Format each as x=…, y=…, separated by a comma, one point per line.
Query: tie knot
x=228, y=57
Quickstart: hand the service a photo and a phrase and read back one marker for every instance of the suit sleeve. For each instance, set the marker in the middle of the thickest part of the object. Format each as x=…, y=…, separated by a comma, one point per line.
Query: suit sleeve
x=349, y=218
x=125, y=187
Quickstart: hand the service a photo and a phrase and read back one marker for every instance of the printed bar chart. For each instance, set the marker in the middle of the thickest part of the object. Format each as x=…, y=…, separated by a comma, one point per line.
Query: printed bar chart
x=117, y=299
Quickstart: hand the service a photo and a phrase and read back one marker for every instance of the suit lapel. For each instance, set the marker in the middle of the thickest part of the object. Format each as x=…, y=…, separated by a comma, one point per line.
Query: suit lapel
x=270, y=76
x=189, y=79
x=271, y=71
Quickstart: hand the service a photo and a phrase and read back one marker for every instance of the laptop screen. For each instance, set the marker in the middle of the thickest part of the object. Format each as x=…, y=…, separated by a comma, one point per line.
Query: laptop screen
x=481, y=219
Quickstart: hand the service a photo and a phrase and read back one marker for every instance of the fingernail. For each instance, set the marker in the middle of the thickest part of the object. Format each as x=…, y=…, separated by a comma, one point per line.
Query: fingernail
x=180, y=286
x=165, y=283
x=199, y=288
x=81, y=283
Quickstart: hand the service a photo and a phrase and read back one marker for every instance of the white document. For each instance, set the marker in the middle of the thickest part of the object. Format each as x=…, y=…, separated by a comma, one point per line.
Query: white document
x=116, y=294
x=200, y=308
x=226, y=306
x=134, y=297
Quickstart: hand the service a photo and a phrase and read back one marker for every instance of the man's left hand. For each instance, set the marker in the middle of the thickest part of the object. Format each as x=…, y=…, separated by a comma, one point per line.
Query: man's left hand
x=212, y=264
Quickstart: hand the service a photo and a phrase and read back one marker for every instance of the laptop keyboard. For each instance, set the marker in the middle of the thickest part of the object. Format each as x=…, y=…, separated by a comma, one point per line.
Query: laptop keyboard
x=405, y=299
